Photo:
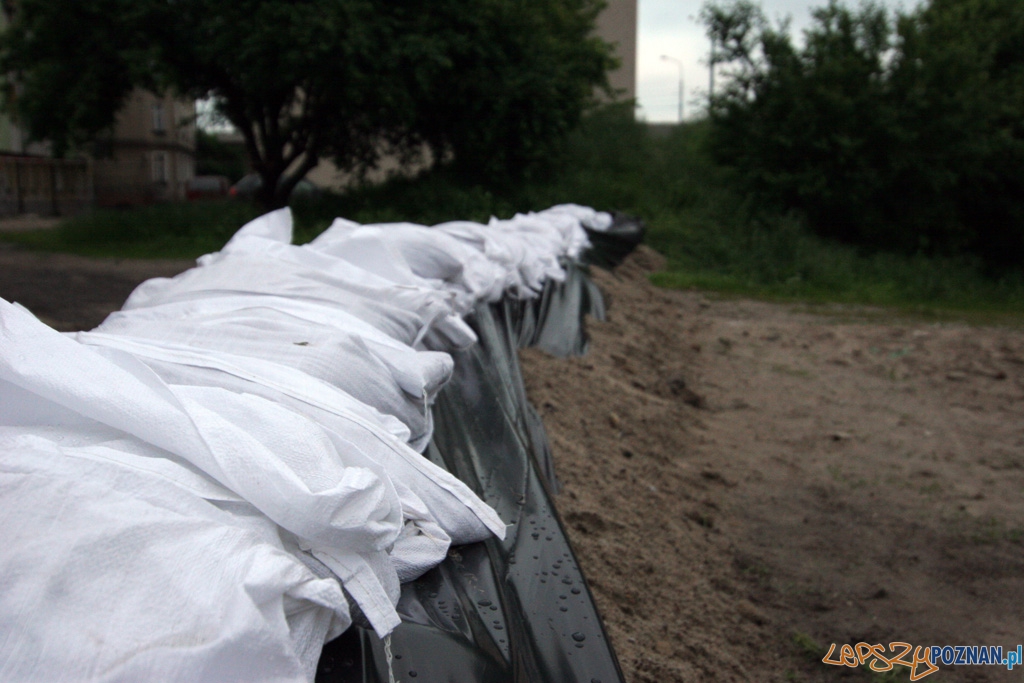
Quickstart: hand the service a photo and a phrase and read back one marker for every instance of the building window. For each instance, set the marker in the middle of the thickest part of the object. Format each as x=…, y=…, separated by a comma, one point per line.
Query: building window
x=159, y=167
x=158, y=118
x=184, y=167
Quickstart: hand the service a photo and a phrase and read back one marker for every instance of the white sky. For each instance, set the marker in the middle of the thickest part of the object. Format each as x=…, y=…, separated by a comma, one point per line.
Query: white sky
x=670, y=27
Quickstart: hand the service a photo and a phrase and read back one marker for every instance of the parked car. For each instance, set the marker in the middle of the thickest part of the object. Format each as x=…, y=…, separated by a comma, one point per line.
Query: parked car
x=207, y=187
x=247, y=187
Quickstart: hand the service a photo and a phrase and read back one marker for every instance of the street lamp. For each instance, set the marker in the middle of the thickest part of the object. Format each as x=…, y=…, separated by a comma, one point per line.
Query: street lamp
x=680, y=65
x=711, y=72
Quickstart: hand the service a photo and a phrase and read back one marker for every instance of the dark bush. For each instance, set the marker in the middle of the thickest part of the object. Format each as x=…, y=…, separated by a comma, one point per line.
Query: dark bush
x=894, y=131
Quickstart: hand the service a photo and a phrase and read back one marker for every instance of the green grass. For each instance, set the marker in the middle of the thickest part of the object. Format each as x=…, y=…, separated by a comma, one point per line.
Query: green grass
x=177, y=230
x=712, y=238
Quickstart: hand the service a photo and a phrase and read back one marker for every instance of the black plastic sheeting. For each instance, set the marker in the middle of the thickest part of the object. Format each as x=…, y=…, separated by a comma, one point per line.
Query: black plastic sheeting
x=517, y=610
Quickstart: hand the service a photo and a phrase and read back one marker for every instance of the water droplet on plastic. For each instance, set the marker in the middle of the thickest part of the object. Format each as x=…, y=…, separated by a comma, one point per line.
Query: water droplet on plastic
x=579, y=637
x=413, y=674
x=498, y=627
x=562, y=597
x=484, y=603
x=494, y=608
x=575, y=591
x=563, y=608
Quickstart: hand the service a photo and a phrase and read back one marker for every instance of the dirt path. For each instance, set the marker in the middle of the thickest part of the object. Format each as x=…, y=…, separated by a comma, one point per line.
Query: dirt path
x=73, y=292
x=746, y=483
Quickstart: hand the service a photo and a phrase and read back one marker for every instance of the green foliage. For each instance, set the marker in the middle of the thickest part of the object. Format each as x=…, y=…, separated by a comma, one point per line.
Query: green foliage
x=172, y=230
x=713, y=236
x=900, y=132
x=489, y=86
x=213, y=157
x=496, y=123
x=70, y=84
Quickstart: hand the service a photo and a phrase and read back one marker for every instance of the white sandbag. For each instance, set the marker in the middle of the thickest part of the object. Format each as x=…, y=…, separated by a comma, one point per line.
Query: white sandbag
x=114, y=575
x=183, y=489
x=599, y=221
x=427, y=253
x=394, y=379
x=404, y=312
x=277, y=460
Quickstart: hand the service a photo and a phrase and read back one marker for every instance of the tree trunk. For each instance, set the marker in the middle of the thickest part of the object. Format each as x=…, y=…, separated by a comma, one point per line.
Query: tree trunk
x=267, y=195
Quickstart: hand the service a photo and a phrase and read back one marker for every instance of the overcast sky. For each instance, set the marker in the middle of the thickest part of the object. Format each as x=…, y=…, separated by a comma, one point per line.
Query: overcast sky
x=670, y=27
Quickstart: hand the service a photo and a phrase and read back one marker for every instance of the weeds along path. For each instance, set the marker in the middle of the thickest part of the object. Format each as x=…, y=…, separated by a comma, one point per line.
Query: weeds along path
x=747, y=483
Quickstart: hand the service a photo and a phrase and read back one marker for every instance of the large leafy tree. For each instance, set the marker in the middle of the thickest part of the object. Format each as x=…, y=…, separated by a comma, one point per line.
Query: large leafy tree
x=484, y=115
x=305, y=80
x=892, y=130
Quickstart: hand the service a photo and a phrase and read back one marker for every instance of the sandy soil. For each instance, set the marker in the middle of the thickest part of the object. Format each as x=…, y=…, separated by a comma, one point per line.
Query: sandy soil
x=746, y=483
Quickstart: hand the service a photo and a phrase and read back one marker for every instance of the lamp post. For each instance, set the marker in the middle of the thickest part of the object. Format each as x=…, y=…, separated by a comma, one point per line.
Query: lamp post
x=680, y=65
x=711, y=72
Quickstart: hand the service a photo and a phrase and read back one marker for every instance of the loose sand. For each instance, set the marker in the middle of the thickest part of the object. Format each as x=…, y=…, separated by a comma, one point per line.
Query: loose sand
x=746, y=482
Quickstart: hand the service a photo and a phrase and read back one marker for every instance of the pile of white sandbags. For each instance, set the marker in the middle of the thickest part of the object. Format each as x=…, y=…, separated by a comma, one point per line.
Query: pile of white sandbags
x=186, y=490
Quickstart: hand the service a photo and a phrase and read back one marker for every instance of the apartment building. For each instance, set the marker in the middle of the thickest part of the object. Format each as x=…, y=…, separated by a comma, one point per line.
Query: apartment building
x=150, y=154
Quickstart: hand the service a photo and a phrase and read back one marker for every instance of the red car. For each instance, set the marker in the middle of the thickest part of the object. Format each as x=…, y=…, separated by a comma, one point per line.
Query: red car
x=207, y=187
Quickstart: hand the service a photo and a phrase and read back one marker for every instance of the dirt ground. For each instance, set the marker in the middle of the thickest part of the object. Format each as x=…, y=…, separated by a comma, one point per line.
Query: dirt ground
x=72, y=292
x=746, y=483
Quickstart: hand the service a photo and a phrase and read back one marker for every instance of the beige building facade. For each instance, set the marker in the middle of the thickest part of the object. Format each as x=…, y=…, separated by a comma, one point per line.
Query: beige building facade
x=150, y=155
x=617, y=25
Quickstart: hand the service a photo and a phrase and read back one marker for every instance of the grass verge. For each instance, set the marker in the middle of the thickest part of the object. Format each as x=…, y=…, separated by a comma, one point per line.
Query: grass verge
x=712, y=238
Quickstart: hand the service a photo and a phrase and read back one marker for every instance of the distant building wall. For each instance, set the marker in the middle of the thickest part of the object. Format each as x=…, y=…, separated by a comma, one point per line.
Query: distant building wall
x=31, y=181
x=617, y=25
x=150, y=155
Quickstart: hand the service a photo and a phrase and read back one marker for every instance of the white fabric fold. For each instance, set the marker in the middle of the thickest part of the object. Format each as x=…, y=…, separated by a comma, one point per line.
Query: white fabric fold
x=185, y=490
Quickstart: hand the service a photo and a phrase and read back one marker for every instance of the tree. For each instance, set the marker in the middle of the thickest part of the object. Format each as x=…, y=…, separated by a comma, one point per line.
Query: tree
x=312, y=79
x=959, y=82
x=898, y=131
x=214, y=157
x=807, y=129
x=497, y=122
